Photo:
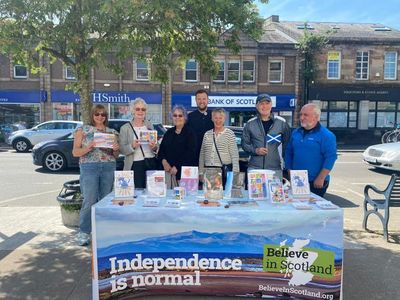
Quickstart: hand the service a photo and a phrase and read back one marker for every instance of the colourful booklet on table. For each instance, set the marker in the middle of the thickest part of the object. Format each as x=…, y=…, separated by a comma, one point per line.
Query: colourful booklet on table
x=104, y=140
x=276, y=191
x=212, y=186
x=190, y=179
x=299, y=184
x=148, y=136
x=257, y=185
x=155, y=184
x=124, y=186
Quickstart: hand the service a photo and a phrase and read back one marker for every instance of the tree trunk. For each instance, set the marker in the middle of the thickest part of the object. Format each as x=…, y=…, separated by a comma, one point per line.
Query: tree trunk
x=84, y=93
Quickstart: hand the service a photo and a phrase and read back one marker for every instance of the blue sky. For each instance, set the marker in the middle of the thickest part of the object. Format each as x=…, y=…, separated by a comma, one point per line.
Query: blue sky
x=386, y=12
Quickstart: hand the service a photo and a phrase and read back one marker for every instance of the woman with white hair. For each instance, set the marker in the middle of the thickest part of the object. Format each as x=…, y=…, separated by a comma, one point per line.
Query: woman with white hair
x=130, y=145
x=178, y=147
x=219, y=147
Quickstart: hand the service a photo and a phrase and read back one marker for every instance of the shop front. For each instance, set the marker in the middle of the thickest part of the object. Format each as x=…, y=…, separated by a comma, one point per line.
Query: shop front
x=240, y=108
x=66, y=104
x=358, y=113
x=20, y=107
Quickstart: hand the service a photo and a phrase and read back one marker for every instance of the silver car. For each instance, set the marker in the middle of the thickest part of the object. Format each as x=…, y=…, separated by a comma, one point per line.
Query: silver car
x=385, y=156
x=23, y=140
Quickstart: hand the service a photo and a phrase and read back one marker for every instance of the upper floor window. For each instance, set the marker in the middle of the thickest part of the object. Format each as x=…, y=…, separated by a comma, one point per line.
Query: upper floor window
x=390, y=66
x=142, y=70
x=20, y=71
x=248, y=70
x=233, y=71
x=333, y=68
x=221, y=73
x=69, y=71
x=362, y=65
x=191, y=70
x=275, y=71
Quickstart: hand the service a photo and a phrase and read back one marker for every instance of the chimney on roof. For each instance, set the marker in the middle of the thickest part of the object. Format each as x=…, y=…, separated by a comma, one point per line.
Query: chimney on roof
x=273, y=18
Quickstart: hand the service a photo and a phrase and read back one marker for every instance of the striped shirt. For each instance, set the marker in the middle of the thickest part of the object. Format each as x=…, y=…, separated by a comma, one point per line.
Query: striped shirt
x=227, y=148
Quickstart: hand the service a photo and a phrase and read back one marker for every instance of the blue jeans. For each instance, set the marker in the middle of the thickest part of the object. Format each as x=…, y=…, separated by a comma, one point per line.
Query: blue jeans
x=96, y=181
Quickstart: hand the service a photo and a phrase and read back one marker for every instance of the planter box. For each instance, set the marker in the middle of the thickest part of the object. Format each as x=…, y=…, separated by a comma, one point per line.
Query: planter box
x=70, y=218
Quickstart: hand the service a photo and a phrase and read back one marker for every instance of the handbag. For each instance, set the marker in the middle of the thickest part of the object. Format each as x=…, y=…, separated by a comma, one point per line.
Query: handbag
x=224, y=167
x=150, y=163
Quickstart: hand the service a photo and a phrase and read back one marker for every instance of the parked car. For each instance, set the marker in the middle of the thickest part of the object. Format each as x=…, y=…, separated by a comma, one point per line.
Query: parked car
x=56, y=155
x=385, y=156
x=24, y=140
x=243, y=156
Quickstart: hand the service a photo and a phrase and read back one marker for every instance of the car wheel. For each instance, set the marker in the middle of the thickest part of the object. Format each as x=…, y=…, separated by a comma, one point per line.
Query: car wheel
x=21, y=145
x=54, y=161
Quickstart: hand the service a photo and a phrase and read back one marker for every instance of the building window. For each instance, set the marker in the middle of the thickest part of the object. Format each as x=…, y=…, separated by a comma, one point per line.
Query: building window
x=233, y=71
x=20, y=71
x=142, y=70
x=191, y=70
x=275, y=71
x=248, y=70
x=339, y=114
x=362, y=65
x=333, y=68
x=390, y=66
x=221, y=73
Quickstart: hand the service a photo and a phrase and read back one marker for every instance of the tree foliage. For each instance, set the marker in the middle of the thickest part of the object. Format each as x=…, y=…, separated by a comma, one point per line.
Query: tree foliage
x=83, y=33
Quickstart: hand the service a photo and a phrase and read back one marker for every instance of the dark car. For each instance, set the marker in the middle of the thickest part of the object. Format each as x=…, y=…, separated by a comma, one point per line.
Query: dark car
x=243, y=156
x=56, y=155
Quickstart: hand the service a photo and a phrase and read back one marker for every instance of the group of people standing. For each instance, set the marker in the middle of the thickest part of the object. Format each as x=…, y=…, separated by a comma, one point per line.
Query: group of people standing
x=201, y=139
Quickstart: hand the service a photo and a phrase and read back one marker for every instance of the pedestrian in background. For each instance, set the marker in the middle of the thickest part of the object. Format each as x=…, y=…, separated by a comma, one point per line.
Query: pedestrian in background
x=265, y=137
x=129, y=141
x=97, y=166
x=178, y=147
x=312, y=147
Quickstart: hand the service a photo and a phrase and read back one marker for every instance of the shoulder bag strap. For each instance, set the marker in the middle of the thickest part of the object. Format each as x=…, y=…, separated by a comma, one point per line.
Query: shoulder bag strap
x=134, y=132
x=216, y=148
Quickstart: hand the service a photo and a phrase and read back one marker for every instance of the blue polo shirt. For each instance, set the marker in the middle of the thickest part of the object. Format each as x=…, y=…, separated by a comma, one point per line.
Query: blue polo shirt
x=311, y=150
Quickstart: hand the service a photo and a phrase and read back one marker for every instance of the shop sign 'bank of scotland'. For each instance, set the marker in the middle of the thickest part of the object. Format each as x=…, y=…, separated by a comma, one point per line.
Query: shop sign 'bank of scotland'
x=265, y=250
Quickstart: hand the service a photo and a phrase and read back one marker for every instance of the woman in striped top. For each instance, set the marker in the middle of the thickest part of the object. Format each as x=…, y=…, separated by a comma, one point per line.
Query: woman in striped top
x=225, y=141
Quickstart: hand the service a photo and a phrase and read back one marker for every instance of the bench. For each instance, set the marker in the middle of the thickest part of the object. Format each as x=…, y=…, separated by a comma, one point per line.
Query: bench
x=380, y=207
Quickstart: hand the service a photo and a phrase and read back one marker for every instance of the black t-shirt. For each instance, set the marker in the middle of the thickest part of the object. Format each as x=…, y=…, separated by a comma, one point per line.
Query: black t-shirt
x=267, y=125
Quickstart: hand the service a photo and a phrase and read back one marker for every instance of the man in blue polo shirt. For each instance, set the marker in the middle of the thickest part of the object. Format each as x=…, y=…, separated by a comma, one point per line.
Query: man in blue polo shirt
x=312, y=147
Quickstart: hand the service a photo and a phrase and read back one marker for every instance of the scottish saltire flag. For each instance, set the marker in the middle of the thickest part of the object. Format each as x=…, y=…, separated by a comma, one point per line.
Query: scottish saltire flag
x=273, y=138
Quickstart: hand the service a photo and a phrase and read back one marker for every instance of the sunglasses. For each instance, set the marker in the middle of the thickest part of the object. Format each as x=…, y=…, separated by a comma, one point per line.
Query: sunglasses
x=177, y=116
x=100, y=114
x=140, y=109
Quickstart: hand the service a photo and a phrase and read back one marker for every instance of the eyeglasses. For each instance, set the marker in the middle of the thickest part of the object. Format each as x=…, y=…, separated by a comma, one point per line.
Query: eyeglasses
x=177, y=116
x=100, y=114
x=140, y=109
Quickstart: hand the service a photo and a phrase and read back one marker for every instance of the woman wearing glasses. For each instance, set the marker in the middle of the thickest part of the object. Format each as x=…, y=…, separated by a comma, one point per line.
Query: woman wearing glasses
x=97, y=166
x=178, y=147
x=134, y=151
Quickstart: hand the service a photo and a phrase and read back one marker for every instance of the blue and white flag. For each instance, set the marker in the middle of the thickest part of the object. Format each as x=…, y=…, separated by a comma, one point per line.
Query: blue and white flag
x=273, y=138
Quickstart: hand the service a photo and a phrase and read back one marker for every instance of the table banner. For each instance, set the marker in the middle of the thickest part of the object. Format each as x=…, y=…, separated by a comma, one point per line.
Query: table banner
x=252, y=249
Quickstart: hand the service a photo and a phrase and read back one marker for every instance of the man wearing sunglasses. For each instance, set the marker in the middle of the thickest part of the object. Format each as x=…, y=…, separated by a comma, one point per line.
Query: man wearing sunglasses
x=200, y=119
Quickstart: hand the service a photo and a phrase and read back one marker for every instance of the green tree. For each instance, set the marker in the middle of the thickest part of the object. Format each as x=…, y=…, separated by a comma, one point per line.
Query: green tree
x=83, y=33
x=309, y=46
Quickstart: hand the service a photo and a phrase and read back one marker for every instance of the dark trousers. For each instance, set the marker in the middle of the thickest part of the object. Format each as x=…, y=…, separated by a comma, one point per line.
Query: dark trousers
x=139, y=174
x=320, y=192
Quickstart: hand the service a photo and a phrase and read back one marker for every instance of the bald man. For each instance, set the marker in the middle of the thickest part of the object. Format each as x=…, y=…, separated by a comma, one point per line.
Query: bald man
x=312, y=147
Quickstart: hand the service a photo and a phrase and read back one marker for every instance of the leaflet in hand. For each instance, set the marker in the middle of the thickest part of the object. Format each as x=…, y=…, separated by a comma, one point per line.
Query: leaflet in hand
x=190, y=179
x=104, y=140
x=148, y=136
x=155, y=184
x=299, y=184
x=124, y=186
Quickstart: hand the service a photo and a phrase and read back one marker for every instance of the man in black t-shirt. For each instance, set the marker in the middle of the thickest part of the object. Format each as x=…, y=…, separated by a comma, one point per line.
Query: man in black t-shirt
x=200, y=119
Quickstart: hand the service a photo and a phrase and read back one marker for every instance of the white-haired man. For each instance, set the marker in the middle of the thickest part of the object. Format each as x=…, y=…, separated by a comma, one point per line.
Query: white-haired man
x=312, y=147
